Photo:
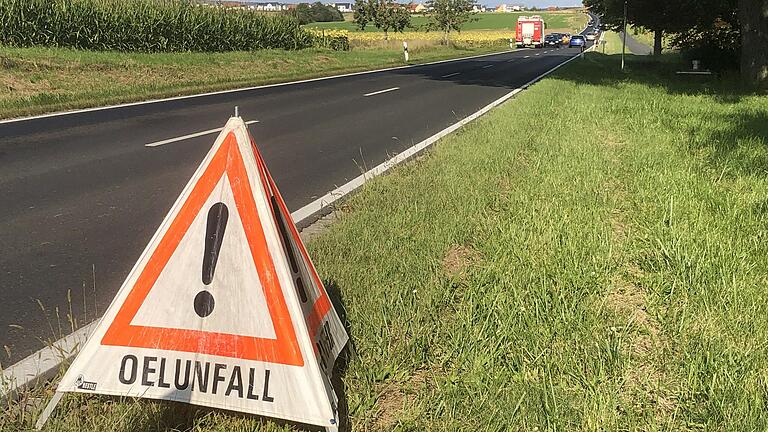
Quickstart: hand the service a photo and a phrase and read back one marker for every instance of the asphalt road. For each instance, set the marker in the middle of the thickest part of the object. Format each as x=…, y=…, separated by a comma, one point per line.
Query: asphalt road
x=81, y=194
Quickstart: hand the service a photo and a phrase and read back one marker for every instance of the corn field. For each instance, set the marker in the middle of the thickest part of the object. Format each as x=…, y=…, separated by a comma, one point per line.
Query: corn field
x=146, y=26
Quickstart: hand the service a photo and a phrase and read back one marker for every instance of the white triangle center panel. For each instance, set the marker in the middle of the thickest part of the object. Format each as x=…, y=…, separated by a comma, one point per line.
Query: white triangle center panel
x=239, y=306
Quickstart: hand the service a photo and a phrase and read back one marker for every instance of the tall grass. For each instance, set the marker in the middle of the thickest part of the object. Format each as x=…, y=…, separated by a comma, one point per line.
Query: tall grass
x=145, y=26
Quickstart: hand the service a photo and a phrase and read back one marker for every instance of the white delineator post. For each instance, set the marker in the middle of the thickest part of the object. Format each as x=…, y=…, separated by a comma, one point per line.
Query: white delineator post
x=405, y=50
x=624, y=36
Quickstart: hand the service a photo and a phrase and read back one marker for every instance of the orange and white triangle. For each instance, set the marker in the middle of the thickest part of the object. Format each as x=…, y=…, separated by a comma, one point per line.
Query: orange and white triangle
x=224, y=308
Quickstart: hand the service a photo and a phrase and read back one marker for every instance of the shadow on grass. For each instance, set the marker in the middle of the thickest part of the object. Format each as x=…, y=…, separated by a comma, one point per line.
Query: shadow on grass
x=726, y=124
x=740, y=143
x=657, y=71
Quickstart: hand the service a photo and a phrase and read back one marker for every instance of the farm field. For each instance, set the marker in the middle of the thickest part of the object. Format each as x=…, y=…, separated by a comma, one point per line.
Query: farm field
x=485, y=21
x=593, y=273
x=38, y=80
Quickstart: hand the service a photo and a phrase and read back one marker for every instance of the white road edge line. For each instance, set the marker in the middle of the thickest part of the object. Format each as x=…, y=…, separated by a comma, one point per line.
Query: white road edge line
x=381, y=91
x=331, y=197
x=192, y=135
x=487, y=66
x=450, y=75
x=45, y=363
x=244, y=89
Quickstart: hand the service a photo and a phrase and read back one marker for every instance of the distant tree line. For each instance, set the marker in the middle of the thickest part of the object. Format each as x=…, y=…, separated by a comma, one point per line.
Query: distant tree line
x=316, y=12
x=387, y=15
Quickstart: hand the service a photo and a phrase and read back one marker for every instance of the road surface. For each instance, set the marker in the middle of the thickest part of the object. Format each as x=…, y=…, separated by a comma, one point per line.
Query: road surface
x=81, y=194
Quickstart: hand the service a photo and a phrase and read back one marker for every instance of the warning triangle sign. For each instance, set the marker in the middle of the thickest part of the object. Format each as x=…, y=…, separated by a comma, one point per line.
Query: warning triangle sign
x=224, y=308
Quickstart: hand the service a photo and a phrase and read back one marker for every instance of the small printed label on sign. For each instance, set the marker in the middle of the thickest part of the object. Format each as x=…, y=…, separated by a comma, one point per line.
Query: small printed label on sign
x=82, y=384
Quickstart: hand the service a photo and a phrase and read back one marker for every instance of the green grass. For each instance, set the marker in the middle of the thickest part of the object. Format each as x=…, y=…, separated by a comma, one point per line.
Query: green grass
x=485, y=21
x=603, y=270
x=37, y=80
x=612, y=44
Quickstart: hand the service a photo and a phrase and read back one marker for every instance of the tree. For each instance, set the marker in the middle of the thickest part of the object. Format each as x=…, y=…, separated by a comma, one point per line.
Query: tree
x=317, y=12
x=726, y=26
x=753, y=15
x=385, y=15
x=448, y=15
x=659, y=16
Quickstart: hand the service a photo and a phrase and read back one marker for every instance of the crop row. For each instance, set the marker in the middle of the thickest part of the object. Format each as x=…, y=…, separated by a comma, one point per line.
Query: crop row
x=145, y=25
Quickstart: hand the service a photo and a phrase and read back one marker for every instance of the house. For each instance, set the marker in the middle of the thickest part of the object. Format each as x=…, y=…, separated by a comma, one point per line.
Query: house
x=270, y=7
x=344, y=7
x=552, y=8
x=517, y=8
x=416, y=8
x=503, y=8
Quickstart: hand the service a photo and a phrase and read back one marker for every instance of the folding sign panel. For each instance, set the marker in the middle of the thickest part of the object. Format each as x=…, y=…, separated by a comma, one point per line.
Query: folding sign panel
x=224, y=308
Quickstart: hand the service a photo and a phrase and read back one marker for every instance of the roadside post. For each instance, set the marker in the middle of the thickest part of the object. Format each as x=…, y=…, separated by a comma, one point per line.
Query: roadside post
x=511, y=43
x=624, y=36
x=405, y=50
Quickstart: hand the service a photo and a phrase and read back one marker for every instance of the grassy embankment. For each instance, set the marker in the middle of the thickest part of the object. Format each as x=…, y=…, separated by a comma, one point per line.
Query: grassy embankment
x=603, y=270
x=37, y=80
x=645, y=36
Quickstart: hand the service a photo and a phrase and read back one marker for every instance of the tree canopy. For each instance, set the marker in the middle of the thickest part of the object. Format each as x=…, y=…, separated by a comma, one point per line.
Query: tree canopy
x=716, y=30
x=450, y=15
x=385, y=15
x=316, y=12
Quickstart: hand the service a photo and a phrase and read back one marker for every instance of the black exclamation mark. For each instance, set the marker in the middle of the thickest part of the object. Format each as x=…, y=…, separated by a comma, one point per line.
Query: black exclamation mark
x=214, y=233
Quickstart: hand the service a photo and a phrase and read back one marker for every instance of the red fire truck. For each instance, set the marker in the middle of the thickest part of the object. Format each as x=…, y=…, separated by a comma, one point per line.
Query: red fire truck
x=530, y=31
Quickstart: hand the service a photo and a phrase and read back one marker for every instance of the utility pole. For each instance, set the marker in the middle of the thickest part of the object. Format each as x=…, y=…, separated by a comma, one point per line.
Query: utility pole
x=624, y=36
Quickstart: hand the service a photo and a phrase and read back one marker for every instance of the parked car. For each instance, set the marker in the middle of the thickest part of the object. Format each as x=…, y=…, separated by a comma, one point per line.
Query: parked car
x=578, y=41
x=591, y=36
x=553, y=39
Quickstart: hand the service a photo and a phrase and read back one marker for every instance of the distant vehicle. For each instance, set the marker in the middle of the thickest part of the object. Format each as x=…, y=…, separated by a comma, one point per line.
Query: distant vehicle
x=578, y=41
x=553, y=39
x=530, y=31
x=591, y=36
x=566, y=38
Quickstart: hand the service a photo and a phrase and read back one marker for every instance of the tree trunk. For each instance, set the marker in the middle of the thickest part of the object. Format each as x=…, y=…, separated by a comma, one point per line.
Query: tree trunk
x=753, y=16
x=386, y=36
x=657, y=39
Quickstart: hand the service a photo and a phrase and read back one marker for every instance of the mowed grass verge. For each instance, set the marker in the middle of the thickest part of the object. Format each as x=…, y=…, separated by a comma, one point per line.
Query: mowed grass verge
x=39, y=80
x=602, y=270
